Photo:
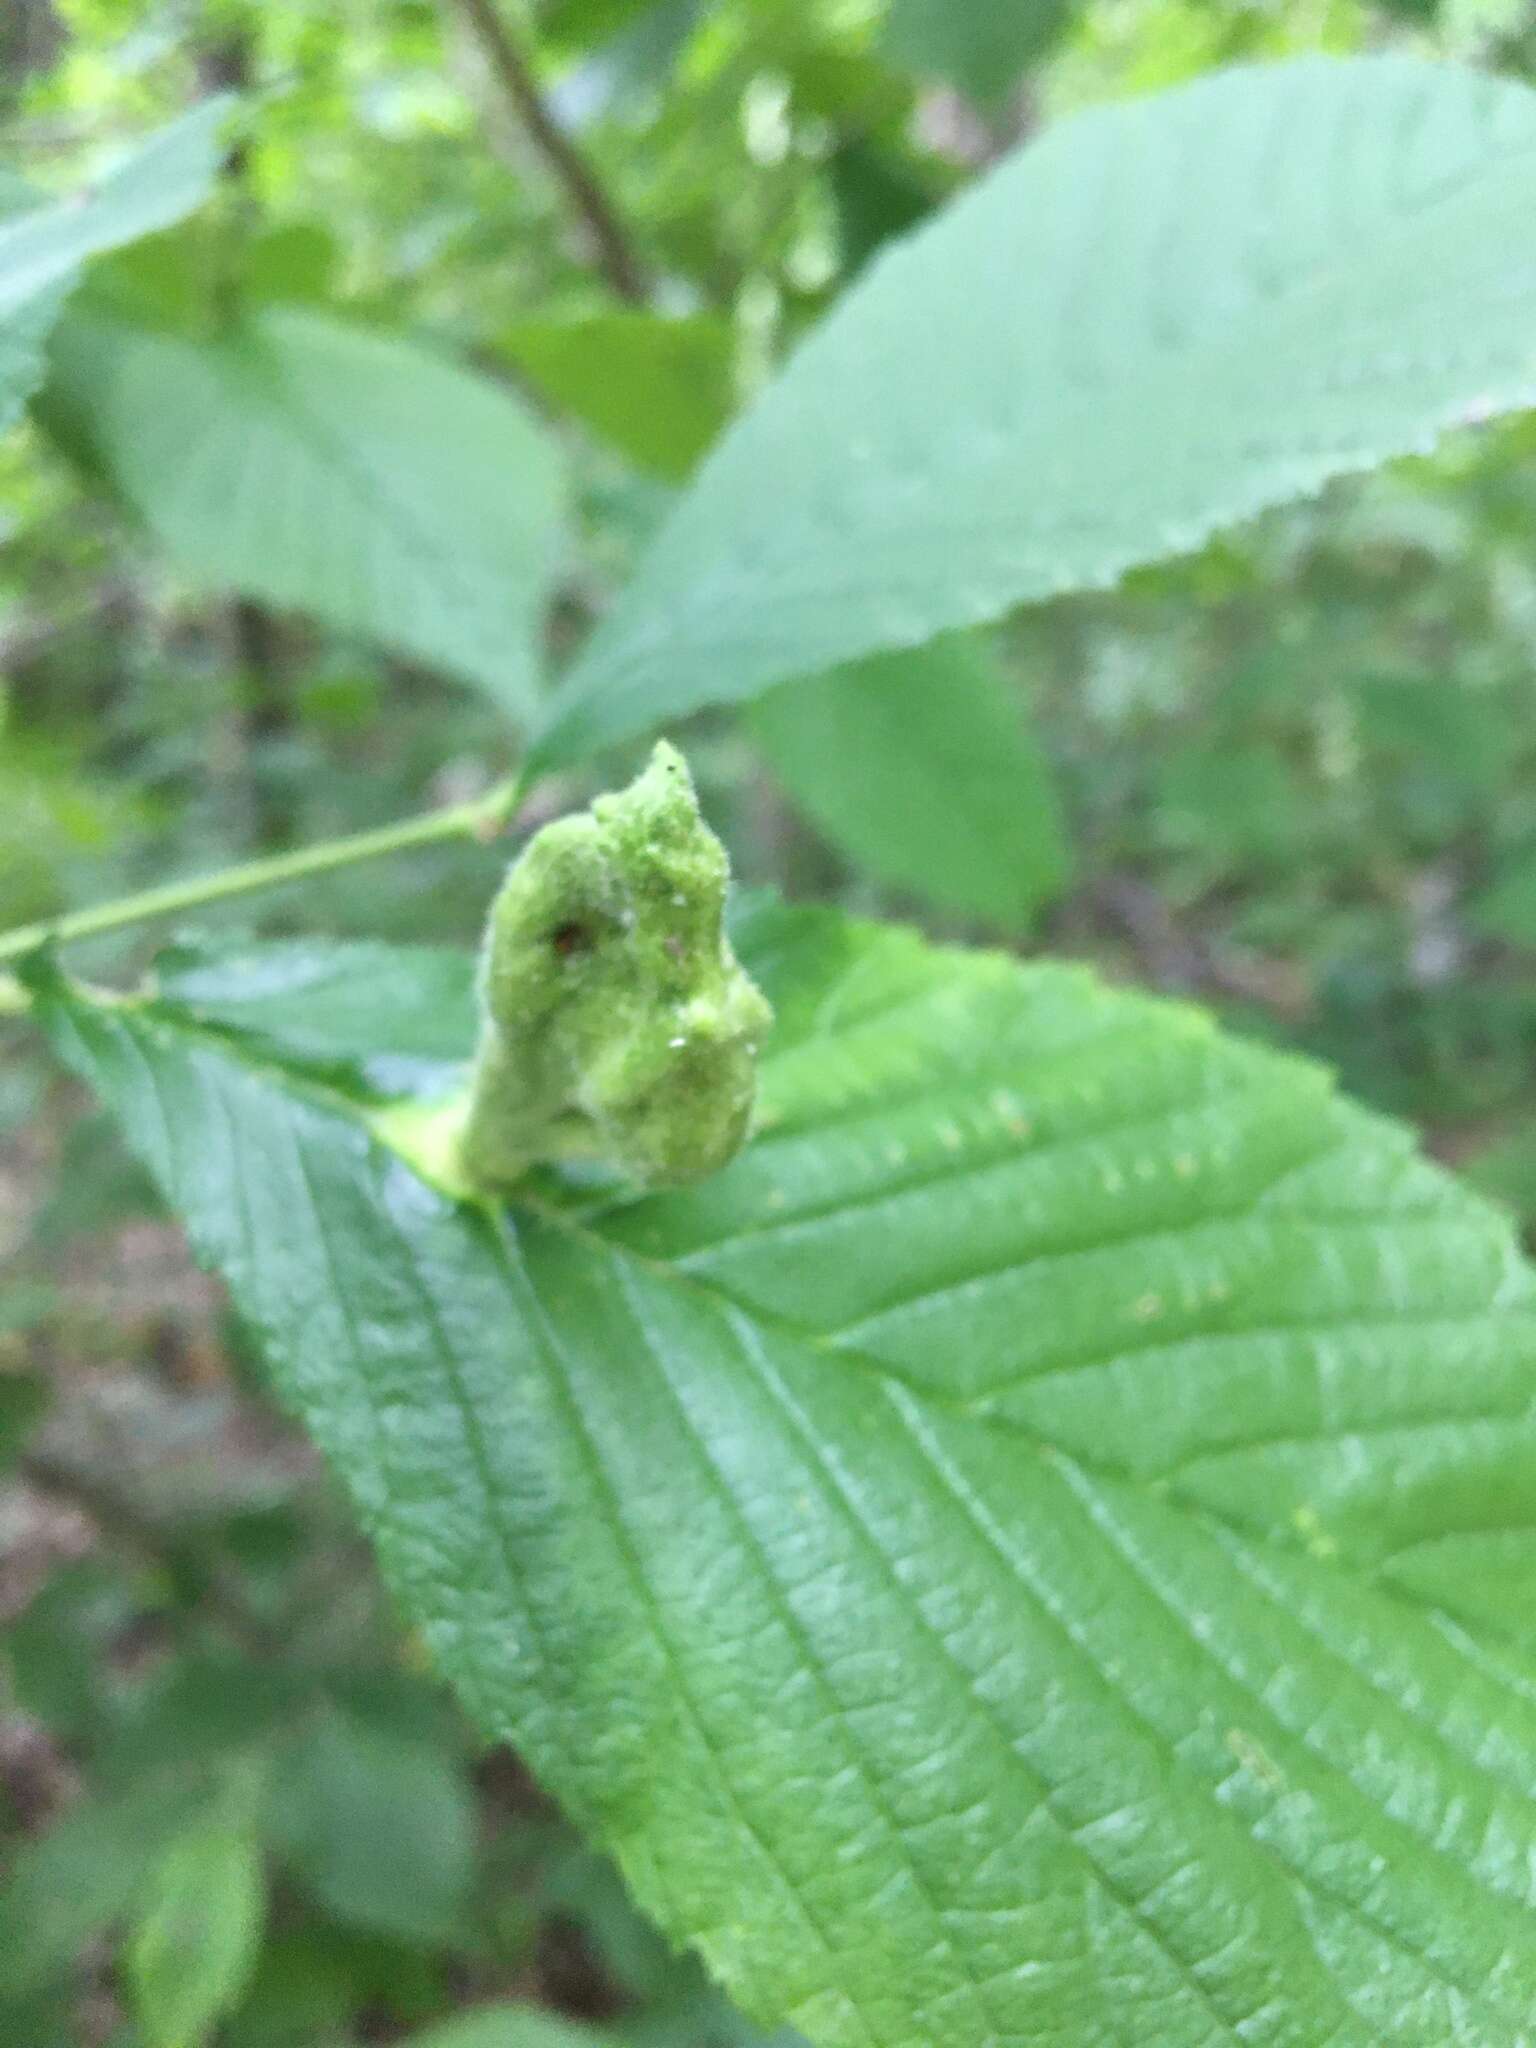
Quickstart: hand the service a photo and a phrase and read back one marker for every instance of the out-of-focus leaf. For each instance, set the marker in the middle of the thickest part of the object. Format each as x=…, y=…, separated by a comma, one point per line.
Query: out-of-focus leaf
x=704, y=2015
x=46, y=2021
x=24, y=327
x=920, y=766
x=324, y=467
x=99, y=1186
x=585, y=1886
x=57, y=818
x=200, y=1708
x=23, y=1399
x=878, y=198
x=56, y=1648
x=197, y=1932
x=70, y=1884
x=1506, y=909
x=579, y=23
x=292, y=261
x=632, y=62
x=23, y=1305
x=1157, y=320
x=1229, y=804
x=307, y=1985
x=1506, y=1170
x=43, y=242
x=673, y=2002
x=980, y=46
x=659, y=390
x=381, y=1830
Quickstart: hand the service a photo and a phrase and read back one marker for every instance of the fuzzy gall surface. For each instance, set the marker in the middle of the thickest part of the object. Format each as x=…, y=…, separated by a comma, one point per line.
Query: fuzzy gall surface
x=619, y=1025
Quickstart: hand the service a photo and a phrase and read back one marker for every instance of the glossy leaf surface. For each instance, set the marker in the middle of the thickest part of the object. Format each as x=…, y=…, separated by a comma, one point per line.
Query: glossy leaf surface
x=43, y=242
x=1033, y=1553
x=1155, y=321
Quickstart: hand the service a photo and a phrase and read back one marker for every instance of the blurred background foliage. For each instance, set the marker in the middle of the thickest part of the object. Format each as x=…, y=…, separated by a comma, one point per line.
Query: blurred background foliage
x=1294, y=778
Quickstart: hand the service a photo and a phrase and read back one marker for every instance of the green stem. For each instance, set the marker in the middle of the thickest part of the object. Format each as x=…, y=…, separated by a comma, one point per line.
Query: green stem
x=511, y=71
x=481, y=819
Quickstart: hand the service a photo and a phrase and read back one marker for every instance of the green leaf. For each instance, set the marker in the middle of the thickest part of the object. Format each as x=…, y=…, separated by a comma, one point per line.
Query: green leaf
x=67, y=1886
x=43, y=242
x=24, y=327
x=23, y=1305
x=200, y=1708
x=920, y=767
x=1236, y=806
x=1506, y=909
x=378, y=1828
x=295, y=259
x=1160, y=318
x=578, y=24
x=198, y=1934
x=380, y=1019
x=57, y=1648
x=23, y=1396
x=1038, y=1550
x=659, y=390
x=981, y=47
x=1505, y=1171
x=44, y=2022
x=878, y=196
x=344, y=473
x=307, y=1986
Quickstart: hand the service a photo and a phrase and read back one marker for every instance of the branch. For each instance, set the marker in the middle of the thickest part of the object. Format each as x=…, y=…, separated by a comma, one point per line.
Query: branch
x=481, y=819
x=513, y=76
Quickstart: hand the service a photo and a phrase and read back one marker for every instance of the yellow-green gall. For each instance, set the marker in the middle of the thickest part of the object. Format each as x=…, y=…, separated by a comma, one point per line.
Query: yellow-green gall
x=618, y=1023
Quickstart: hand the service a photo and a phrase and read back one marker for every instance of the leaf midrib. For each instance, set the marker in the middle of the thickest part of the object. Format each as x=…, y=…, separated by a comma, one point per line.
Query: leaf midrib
x=619, y=657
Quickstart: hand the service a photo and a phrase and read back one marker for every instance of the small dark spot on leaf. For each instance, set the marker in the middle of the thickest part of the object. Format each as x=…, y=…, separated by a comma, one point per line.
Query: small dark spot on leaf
x=570, y=938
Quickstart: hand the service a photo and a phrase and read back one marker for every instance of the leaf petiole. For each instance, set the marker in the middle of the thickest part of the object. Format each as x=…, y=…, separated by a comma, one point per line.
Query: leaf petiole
x=482, y=818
